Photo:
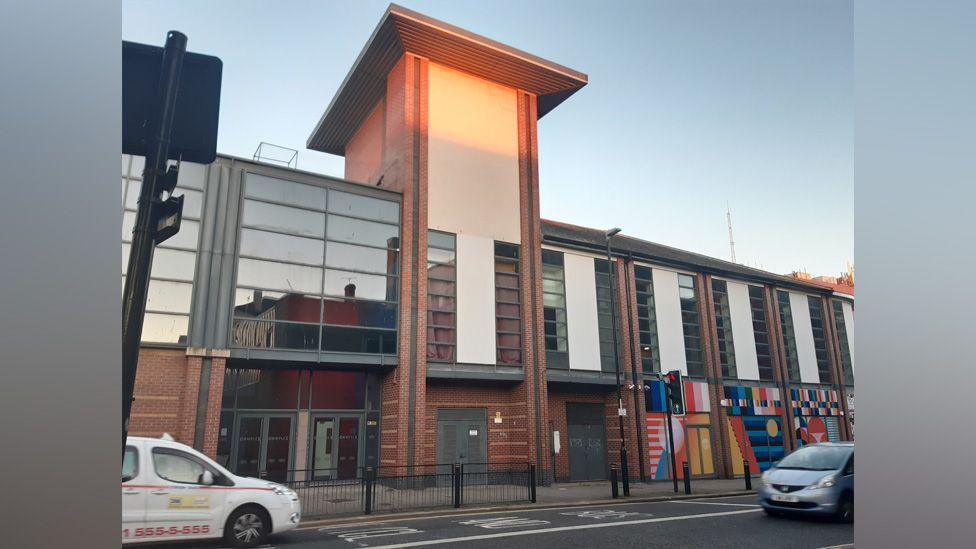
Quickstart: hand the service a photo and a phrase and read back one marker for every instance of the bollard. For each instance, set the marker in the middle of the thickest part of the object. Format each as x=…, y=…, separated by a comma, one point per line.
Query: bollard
x=456, y=477
x=745, y=467
x=687, y=474
x=368, y=496
x=532, y=482
x=613, y=482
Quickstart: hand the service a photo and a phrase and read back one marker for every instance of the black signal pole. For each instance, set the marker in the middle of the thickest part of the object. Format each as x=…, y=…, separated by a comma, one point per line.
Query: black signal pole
x=144, y=233
x=616, y=361
x=667, y=407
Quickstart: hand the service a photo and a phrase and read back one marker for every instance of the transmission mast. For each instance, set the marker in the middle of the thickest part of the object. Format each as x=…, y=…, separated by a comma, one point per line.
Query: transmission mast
x=728, y=216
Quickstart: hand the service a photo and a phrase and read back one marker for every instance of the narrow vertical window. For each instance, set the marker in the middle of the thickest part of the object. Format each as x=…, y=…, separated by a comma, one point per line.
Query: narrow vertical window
x=605, y=312
x=760, y=329
x=691, y=325
x=845, y=346
x=647, y=320
x=554, y=310
x=723, y=328
x=508, y=305
x=441, y=296
x=789, y=336
x=819, y=338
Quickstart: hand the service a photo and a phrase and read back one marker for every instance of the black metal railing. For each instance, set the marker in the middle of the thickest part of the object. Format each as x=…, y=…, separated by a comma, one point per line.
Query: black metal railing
x=399, y=488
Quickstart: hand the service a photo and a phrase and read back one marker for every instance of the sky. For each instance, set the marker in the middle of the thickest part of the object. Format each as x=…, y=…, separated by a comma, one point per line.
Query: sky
x=692, y=107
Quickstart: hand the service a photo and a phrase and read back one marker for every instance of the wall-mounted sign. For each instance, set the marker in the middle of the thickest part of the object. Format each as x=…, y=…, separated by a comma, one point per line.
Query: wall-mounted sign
x=472, y=432
x=555, y=442
x=498, y=417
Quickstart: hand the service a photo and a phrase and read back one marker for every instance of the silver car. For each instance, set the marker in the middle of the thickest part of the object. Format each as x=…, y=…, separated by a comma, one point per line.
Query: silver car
x=817, y=479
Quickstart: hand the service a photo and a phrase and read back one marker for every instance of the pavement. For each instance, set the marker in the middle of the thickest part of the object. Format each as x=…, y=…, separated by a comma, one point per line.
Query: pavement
x=703, y=521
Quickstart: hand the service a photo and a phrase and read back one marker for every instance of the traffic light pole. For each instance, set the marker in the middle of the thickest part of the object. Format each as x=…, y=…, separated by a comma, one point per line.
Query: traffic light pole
x=616, y=361
x=143, y=235
x=674, y=467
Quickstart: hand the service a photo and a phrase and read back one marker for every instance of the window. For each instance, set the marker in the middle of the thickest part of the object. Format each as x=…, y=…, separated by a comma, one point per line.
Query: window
x=760, y=328
x=318, y=269
x=691, y=325
x=508, y=305
x=819, y=338
x=647, y=320
x=441, y=296
x=789, y=336
x=845, y=346
x=130, y=464
x=723, y=328
x=177, y=466
x=605, y=313
x=554, y=310
x=167, y=317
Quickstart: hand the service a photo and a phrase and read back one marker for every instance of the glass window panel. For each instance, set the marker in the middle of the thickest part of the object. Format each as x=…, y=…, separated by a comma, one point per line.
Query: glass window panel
x=277, y=306
x=364, y=286
x=441, y=303
x=268, y=389
x=177, y=468
x=439, y=318
x=437, y=239
x=333, y=390
x=552, y=286
x=347, y=256
x=173, y=264
x=364, y=206
x=165, y=328
x=354, y=312
x=283, y=219
x=442, y=272
x=192, y=201
x=287, y=192
x=440, y=256
x=169, y=297
x=279, y=276
x=128, y=224
x=686, y=293
x=260, y=334
x=507, y=295
x=441, y=287
x=363, y=232
x=138, y=164
x=440, y=353
x=132, y=197
x=504, y=309
x=130, y=463
x=281, y=247
x=508, y=324
x=358, y=340
x=509, y=356
x=503, y=280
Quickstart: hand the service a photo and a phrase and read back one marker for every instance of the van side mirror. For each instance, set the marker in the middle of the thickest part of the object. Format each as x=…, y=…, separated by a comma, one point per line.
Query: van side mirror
x=206, y=478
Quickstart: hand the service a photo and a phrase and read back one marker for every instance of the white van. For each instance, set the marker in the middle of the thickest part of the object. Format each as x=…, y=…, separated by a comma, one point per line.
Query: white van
x=173, y=492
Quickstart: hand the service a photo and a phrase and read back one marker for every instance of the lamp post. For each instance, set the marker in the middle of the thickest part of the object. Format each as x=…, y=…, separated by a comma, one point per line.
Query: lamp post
x=616, y=362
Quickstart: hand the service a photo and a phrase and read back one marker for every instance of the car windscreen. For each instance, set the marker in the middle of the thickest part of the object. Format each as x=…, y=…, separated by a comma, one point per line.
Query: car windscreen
x=816, y=458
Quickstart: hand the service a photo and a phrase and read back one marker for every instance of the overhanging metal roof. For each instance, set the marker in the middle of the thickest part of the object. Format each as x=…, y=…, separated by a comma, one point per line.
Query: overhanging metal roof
x=402, y=30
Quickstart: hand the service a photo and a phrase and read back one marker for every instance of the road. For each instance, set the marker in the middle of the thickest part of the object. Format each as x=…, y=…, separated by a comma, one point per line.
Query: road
x=714, y=523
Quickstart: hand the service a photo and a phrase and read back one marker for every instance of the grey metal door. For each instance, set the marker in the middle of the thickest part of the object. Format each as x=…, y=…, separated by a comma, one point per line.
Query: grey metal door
x=462, y=437
x=587, y=441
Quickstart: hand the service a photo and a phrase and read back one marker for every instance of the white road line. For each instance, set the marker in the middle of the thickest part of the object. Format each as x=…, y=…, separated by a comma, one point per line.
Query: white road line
x=475, y=512
x=558, y=529
x=845, y=546
x=700, y=502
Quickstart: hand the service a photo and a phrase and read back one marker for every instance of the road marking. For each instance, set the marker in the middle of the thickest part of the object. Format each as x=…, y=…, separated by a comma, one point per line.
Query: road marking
x=502, y=522
x=603, y=513
x=348, y=525
x=378, y=532
x=844, y=546
x=699, y=502
x=559, y=529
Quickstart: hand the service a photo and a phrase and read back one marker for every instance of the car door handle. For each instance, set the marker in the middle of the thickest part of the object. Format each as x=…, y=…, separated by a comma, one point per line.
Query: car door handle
x=129, y=492
x=159, y=492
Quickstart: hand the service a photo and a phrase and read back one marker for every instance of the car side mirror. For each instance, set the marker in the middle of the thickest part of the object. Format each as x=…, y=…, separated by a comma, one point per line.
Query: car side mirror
x=207, y=478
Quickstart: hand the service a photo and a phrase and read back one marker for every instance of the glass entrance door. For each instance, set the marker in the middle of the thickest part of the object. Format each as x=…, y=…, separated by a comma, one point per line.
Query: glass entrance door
x=263, y=446
x=335, y=447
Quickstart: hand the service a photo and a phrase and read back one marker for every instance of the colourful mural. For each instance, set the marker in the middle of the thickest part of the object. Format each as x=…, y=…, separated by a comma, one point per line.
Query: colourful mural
x=696, y=397
x=816, y=429
x=756, y=439
x=692, y=443
x=752, y=401
x=815, y=402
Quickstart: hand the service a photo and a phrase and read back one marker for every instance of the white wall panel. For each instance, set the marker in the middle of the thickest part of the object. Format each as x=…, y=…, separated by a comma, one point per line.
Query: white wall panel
x=581, y=316
x=475, y=299
x=803, y=330
x=743, y=335
x=670, y=333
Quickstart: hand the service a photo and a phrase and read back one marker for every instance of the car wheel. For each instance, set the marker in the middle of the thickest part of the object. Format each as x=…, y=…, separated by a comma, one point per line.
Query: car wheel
x=845, y=509
x=248, y=526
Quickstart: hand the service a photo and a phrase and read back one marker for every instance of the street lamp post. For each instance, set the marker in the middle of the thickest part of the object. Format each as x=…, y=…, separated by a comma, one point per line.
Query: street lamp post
x=616, y=362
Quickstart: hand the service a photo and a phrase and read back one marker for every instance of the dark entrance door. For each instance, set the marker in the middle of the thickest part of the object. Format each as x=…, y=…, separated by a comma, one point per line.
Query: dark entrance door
x=462, y=437
x=263, y=446
x=587, y=441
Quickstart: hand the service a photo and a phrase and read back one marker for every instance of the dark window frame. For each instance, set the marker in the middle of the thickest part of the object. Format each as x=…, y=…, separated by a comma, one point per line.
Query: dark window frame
x=606, y=313
x=760, y=330
x=846, y=360
x=647, y=337
x=135, y=471
x=818, y=322
x=556, y=359
x=445, y=268
x=508, y=254
x=691, y=327
x=723, y=328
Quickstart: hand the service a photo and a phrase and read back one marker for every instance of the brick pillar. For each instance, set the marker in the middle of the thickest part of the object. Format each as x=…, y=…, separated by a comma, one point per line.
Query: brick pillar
x=713, y=373
x=635, y=366
x=214, y=398
x=633, y=402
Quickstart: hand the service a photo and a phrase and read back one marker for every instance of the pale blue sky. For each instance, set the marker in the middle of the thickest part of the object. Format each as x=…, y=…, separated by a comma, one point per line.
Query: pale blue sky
x=690, y=104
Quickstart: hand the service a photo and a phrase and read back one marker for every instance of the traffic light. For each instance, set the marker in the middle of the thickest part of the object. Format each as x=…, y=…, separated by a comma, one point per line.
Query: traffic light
x=168, y=213
x=675, y=393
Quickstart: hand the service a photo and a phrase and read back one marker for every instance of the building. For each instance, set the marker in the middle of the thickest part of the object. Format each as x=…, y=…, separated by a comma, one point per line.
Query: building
x=419, y=310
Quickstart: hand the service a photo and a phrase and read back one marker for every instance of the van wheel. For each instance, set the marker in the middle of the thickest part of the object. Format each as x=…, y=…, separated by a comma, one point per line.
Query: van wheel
x=248, y=526
x=845, y=509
